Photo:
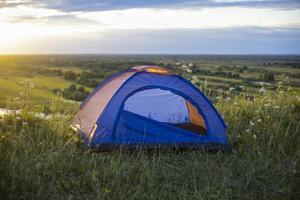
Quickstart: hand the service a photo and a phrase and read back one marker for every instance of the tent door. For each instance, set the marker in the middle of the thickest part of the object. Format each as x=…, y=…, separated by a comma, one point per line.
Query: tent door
x=166, y=107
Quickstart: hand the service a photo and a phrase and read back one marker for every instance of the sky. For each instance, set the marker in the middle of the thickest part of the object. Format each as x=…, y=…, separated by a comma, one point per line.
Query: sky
x=150, y=26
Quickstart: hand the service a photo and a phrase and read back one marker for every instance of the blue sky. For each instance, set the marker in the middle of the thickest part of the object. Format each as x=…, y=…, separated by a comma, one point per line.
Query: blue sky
x=139, y=26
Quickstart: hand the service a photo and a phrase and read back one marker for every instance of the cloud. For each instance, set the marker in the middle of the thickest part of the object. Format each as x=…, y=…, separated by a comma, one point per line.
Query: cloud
x=66, y=19
x=96, y=5
x=157, y=26
x=37, y=15
x=14, y=3
x=243, y=40
x=149, y=18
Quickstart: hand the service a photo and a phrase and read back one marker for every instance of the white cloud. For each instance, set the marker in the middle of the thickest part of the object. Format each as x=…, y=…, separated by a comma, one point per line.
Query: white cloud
x=193, y=18
x=28, y=27
x=29, y=10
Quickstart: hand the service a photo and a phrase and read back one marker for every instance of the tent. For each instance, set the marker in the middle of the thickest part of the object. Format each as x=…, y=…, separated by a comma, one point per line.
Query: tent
x=146, y=107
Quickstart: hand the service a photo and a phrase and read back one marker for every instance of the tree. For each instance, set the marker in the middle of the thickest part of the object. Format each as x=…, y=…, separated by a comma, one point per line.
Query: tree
x=85, y=75
x=72, y=87
x=70, y=75
x=268, y=76
x=79, y=96
x=81, y=89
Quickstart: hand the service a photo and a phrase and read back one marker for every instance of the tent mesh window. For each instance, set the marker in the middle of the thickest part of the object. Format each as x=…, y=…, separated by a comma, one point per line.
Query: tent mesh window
x=166, y=107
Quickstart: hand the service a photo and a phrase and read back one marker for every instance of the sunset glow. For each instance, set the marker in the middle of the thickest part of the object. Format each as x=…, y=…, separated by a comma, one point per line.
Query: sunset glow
x=29, y=27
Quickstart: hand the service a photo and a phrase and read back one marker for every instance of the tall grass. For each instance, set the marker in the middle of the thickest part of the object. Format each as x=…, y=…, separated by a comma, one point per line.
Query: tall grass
x=43, y=159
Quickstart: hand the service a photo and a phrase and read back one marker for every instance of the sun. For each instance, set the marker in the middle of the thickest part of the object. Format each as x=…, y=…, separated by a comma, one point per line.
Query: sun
x=23, y=37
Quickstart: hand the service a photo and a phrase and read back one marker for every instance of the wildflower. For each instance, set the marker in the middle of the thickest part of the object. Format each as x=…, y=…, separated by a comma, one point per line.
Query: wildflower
x=2, y=138
x=259, y=120
x=248, y=130
x=183, y=67
x=195, y=77
x=276, y=107
x=217, y=98
x=191, y=65
x=252, y=123
x=279, y=83
x=228, y=99
x=220, y=90
x=242, y=87
x=261, y=83
x=188, y=71
x=254, y=136
x=262, y=90
x=231, y=89
x=195, y=80
x=24, y=123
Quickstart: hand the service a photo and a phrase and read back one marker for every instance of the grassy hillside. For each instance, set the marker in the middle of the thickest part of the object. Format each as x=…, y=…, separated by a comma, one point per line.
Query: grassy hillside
x=16, y=70
x=44, y=159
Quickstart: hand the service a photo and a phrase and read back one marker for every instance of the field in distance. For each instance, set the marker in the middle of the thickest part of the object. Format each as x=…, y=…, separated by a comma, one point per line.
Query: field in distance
x=50, y=75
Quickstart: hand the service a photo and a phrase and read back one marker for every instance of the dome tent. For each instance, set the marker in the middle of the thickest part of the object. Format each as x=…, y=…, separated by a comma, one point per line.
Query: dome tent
x=149, y=106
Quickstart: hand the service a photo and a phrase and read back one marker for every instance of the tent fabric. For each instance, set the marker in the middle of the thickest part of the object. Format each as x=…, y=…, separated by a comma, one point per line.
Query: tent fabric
x=88, y=115
x=140, y=107
x=138, y=130
x=153, y=69
x=195, y=116
x=160, y=105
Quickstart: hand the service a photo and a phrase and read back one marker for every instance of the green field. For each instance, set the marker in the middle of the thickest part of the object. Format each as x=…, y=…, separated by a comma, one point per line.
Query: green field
x=44, y=159
x=216, y=71
x=15, y=71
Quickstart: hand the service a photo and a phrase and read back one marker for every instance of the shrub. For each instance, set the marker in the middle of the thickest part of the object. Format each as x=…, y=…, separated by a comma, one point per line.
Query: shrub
x=72, y=87
x=268, y=76
x=74, y=93
x=70, y=75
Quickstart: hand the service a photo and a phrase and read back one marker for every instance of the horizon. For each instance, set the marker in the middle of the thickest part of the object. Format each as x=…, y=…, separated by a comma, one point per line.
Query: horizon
x=142, y=54
x=181, y=27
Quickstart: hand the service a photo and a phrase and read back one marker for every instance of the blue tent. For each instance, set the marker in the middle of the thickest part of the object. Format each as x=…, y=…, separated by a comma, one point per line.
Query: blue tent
x=149, y=106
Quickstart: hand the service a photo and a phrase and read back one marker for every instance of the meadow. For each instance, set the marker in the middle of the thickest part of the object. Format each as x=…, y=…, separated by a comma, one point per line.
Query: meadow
x=258, y=96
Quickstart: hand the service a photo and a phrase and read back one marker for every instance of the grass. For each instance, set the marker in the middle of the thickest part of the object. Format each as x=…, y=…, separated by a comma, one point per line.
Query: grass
x=15, y=70
x=13, y=87
x=42, y=159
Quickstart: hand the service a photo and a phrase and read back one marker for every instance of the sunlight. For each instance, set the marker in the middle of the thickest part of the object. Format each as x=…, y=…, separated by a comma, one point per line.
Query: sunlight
x=10, y=36
x=31, y=27
x=17, y=37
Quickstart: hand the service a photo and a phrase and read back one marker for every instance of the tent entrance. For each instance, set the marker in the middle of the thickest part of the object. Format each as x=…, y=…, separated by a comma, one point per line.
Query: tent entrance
x=168, y=108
